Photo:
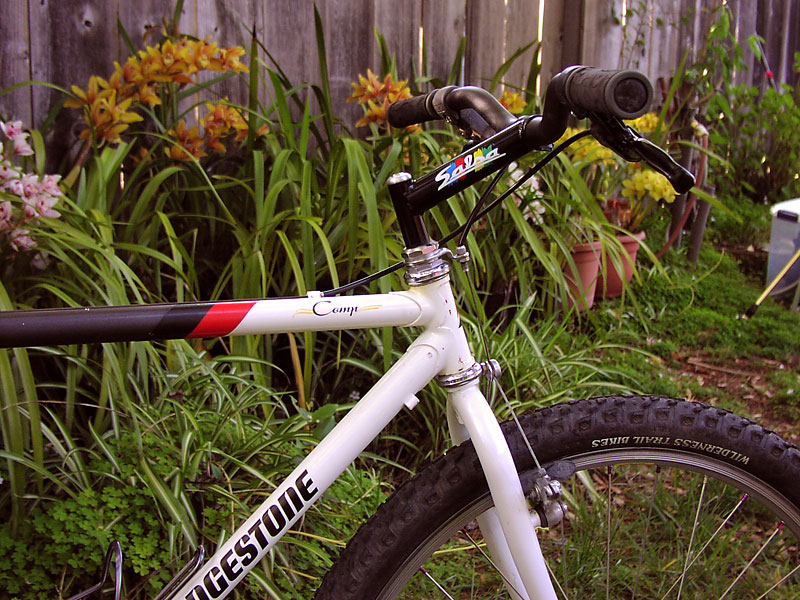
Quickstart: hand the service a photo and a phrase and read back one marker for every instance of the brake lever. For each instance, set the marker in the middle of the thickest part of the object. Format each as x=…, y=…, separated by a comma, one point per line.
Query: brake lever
x=626, y=141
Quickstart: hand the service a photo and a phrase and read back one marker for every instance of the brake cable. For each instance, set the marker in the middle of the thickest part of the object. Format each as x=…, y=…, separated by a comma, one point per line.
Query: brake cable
x=477, y=213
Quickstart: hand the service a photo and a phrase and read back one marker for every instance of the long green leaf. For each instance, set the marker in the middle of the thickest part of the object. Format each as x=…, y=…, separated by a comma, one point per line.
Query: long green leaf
x=162, y=494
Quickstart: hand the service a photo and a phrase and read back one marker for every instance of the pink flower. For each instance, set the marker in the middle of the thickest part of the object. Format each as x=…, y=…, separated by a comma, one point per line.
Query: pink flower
x=50, y=185
x=770, y=74
x=7, y=171
x=11, y=128
x=44, y=206
x=14, y=187
x=6, y=216
x=20, y=240
x=13, y=131
x=40, y=261
x=21, y=146
x=30, y=186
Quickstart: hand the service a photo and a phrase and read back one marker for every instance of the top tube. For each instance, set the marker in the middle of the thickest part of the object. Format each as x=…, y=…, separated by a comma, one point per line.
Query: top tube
x=40, y=327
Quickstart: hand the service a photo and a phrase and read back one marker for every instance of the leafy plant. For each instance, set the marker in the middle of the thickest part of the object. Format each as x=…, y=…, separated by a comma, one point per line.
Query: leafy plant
x=758, y=134
x=628, y=192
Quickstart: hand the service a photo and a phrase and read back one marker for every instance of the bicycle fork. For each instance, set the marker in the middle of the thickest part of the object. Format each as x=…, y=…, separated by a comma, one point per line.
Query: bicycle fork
x=507, y=528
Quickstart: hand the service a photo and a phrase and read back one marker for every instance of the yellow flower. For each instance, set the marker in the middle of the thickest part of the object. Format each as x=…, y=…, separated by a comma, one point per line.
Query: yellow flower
x=230, y=59
x=201, y=55
x=142, y=79
x=91, y=95
x=513, y=102
x=220, y=121
x=647, y=182
x=587, y=149
x=375, y=113
x=647, y=123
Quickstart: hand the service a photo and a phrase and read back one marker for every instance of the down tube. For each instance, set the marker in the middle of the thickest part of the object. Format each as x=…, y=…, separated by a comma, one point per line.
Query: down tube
x=316, y=473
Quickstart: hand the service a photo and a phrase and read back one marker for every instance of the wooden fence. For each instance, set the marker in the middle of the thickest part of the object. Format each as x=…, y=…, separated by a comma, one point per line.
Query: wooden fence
x=63, y=42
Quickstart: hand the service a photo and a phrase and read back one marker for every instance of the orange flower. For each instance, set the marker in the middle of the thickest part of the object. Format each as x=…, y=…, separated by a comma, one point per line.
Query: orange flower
x=107, y=119
x=230, y=59
x=189, y=143
x=377, y=95
x=375, y=113
x=201, y=55
x=142, y=78
x=370, y=88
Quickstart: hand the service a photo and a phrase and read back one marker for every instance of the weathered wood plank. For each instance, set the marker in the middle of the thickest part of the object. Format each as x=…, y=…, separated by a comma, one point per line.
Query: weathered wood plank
x=485, y=29
x=143, y=21
x=744, y=22
x=70, y=41
x=229, y=23
x=15, y=62
x=552, y=40
x=779, y=45
x=348, y=33
x=289, y=37
x=663, y=42
x=400, y=23
x=522, y=28
x=605, y=42
x=794, y=43
x=443, y=26
x=571, y=33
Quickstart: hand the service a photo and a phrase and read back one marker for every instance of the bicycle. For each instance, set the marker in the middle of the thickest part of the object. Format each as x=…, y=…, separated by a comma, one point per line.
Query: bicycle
x=640, y=459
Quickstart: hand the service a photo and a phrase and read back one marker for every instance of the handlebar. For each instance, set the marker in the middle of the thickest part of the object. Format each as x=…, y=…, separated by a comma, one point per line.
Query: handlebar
x=582, y=90
x=606, y=97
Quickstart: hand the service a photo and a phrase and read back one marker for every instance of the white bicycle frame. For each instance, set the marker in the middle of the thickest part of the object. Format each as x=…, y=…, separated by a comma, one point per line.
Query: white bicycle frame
x=440, y=350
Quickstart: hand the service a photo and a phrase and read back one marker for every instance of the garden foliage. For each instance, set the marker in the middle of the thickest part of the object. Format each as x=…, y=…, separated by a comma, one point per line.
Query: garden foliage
x=167, y=445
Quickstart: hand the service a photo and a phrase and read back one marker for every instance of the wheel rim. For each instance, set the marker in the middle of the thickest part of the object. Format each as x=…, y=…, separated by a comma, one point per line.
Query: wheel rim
x=714, y=486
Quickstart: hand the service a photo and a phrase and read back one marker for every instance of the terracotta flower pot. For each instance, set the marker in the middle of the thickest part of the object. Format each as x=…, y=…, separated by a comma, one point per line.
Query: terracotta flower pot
x=587, y=261
x=610, y=282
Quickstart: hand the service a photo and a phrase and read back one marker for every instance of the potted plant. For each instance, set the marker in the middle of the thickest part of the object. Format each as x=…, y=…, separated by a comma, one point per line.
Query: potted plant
x=627, y=194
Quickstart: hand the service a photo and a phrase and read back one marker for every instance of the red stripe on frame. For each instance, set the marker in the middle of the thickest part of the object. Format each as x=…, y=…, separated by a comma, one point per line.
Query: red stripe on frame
x=221, y=319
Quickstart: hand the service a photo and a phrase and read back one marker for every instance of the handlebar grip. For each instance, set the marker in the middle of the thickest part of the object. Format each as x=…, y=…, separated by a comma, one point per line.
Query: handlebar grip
x=623, y=94
x=412, y=111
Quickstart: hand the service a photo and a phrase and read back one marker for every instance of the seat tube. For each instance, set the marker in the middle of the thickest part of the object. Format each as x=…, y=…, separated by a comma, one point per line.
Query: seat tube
x=508, y=529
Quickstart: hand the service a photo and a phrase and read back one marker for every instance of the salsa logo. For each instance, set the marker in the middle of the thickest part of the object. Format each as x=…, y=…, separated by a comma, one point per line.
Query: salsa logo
x=466, y=164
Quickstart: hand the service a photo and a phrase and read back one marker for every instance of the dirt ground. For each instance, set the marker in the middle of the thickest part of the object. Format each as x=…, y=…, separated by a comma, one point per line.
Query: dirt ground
x=746, y=379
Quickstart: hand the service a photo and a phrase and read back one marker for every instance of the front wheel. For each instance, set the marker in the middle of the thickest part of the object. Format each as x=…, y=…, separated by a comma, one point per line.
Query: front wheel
x=671, y=499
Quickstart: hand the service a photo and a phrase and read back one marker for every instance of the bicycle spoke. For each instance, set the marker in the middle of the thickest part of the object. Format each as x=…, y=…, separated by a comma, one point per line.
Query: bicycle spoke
x=436, y=583
x=719, y=529
x=608, y=535
x=554, y=579
x=491, y=562
x=652, y=502
x=779, y=582
x=691, y=538
x=563, y=558
x=752, y=560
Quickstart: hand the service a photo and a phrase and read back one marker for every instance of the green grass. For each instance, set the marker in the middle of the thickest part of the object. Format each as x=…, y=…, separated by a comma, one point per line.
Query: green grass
x=691, y=313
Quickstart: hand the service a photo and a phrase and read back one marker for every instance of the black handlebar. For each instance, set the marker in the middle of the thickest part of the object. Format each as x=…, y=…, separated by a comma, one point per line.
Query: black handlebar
x=605, y=97
x=582, y=90
x=472, y=109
